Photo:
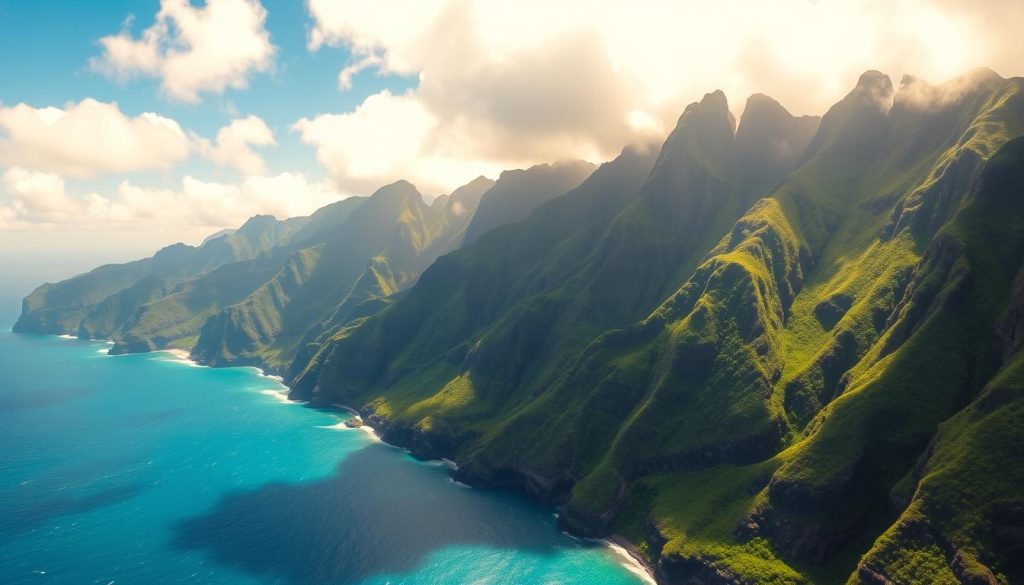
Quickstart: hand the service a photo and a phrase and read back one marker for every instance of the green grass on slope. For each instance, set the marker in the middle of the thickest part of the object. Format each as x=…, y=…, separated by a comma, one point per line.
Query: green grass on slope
x=972, y=477
x=836, y=481
x=696, y=514
x=896, y=400
x=973, y=474
x=829, y=495
x=832, y=322
x=800, y=321
x=709, y=398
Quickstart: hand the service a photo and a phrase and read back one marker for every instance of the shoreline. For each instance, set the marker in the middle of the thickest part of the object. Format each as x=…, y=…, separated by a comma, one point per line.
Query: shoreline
x=628, y=555
x=631, y=558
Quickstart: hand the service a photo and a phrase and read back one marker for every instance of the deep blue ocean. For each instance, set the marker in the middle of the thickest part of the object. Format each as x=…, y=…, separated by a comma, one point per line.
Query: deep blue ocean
x=143, y=469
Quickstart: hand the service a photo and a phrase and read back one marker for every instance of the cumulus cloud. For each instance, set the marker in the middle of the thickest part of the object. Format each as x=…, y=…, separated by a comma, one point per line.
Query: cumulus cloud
x=387, y=137
x=511, y=83
x=233, y=145
x=193, y=49
x=88, y=138
x=36, y=197
x=33, y=199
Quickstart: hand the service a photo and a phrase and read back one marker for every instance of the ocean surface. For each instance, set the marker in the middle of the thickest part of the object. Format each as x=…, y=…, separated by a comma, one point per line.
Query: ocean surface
x=144, y=469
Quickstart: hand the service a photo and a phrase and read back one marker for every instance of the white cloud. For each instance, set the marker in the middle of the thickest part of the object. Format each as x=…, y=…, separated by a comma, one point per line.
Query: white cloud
x=93, y=138
x=352, y=69
x=384, y=139
x=34, y=199
x=88, y=138
x=233, y=145
x=517, y=82
x=365, y=25
x=193, y=49
x=213, y=204
x=37, y=197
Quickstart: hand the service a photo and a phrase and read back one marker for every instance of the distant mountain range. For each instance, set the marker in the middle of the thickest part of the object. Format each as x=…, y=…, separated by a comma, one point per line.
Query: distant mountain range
x=783, y=351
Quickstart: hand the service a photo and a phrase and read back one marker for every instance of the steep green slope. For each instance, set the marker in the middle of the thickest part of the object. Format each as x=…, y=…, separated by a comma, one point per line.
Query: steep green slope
x=328, y=217
x=490, y=327
x=788, y=352
x=174, y=320
x=519, y=192
x=270, y=292
x=750, y=413
x=890, y=335
x=76, y=306
x=381, y=249
x=962, y=504
x=561, y=231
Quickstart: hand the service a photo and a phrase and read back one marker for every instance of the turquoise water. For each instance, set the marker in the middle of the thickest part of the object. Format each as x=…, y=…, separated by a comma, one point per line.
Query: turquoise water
x=144, y=469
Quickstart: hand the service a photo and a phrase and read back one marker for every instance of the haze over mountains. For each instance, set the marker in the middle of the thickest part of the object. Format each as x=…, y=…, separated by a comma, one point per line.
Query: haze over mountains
x=786, y=350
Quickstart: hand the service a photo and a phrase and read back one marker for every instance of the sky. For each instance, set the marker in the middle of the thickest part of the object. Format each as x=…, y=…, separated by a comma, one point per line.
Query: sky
x=129, y=125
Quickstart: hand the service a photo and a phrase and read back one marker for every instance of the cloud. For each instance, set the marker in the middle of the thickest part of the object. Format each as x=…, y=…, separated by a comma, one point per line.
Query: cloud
x=352, y=69
x=193, y=49
x=385, y=138
x=34, y=200
x=212, y=204
x=364, y=25
x=233, y=145
x=36, y=197
x=93, y=138
x=505, y=83
x=88, y=138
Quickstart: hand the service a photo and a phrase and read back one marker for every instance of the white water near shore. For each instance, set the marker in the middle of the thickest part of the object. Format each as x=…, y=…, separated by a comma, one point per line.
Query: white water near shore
x=181, y=356
x=633, y=564
x=626, y=558
x=279, y=396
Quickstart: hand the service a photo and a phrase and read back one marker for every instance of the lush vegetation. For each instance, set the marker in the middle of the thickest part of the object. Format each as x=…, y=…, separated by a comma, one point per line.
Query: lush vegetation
x=783, y=352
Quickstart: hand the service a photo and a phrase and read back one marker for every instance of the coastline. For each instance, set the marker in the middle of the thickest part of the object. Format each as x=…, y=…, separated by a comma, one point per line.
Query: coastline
x=626, y=551
x=631, y=558
x=628, y=554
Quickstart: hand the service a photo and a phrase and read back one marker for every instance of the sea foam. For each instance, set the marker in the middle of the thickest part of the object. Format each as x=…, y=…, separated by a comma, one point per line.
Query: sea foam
x=180, y=356
x=630, y=562
x=279, y=395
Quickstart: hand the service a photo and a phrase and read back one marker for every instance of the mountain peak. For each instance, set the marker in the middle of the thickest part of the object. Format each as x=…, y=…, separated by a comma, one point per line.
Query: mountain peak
x=917, y=94
x=980, y=75
x=257, y=222
x=715, y=99
x=518, y=192
x=399, y=185
x=400, y=189
x=477, y=183
x=471, y=192
x=770, y=140
x=761, y=108
x=874, y=86
x=872, y=78
x=859, y=119
x=705, y=126
x=713, y=106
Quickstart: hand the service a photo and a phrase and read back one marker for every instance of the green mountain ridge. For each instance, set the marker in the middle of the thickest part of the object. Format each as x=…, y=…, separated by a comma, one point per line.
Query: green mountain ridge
x=76, y=305
x=519, y=192
x=783, y=351
x=783, y=377
x=388, y=241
